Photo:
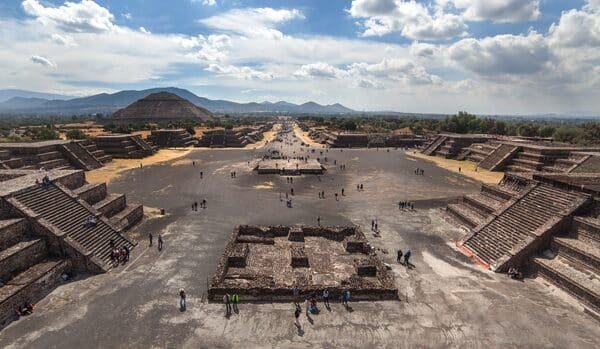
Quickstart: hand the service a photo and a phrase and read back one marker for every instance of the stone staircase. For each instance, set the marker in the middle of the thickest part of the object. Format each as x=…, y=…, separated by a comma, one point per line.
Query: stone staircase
x=99, y=154
x=431, y=148
x=520, y=225
x=576, y=262
x=68, y=215
x=27, y=270
x=498, y=157
x=78, y=154
x=124, y=146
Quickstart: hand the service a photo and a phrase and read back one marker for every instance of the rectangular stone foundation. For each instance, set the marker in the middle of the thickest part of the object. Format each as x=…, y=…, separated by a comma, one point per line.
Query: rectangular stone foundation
x=265, y=263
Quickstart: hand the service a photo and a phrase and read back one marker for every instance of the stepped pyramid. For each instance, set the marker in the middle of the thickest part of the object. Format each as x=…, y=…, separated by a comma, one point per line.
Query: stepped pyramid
x=161, y=106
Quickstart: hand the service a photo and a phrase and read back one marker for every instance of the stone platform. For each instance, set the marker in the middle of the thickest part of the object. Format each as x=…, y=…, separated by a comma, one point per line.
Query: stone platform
x=266, y=263
x=289, y=167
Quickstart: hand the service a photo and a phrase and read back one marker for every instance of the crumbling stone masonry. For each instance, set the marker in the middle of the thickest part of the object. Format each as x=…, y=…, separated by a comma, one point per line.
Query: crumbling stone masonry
x=266, y=263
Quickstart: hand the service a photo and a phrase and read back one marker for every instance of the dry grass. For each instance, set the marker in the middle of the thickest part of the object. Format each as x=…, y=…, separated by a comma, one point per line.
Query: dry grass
x=114, y=168
x=468, y=169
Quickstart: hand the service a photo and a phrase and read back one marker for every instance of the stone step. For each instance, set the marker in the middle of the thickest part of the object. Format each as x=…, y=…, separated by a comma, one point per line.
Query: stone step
x=21, y=256
x=12, y=231
x=129, y=217
x=587, y=226
x=582, y=283
x=111, y=205
x=51, y=164
x=4, y=154
x=14, y=163
x=464, y=215
x=516, y=168
x=104, y=159
x=483, y=202
x=30, y=285
x=51, y=155
x=91, y=193
x=586, y=252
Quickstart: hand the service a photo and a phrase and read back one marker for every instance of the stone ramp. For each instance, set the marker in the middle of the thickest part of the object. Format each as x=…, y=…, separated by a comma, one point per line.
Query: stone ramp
x=498, y=157
x=68, y=215
x=77, y=153
x=513, y=231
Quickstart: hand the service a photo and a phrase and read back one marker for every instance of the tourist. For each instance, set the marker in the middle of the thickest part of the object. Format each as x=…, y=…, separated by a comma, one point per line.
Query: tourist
x=292, y=191
x=361, y=187
x=376, y=229
x=193, y=163
x=296, y=294
x=345, y=298
x=515, y=274
x=201, y=174
x=399, y=256
x=326, y=298
x=150, y=238
x=297, y=318
x=407, y=257
x=227, y=301
x=160, y=242
x=319, y=220
x=182, y=304
x=235, y=299
x=459, y=169
x=125, y=254
x=46, y=182
x=372, y=225
x=336, y=197
x=342, y=191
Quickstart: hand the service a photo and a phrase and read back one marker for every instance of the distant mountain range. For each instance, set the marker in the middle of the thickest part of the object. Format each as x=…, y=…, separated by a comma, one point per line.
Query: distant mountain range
x=21, y=102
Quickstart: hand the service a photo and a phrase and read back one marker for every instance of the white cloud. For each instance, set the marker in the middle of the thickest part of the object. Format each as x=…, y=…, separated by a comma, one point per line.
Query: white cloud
x=83, y=17
x=409, y=18
x=64, y=40
x=42, y=60
x=577, y=28
x=209, y=2
x=319, y=70
x=127, y=16
x=245, y=72
x=498, y=10
x=144, y=30
x=252, y=22
x=502, y=54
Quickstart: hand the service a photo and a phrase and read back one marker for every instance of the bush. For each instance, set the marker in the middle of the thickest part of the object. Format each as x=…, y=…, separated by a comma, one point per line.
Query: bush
x=76, y=134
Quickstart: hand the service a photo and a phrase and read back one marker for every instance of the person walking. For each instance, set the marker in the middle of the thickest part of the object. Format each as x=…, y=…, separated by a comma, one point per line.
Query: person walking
x=399, y=256
x=235, y=299
x=319, y=220
x=297, y=317
x=345, y=298
x=227, y=301
x=407, y=257
x=160, y=242
x=182, y=304
x=150, y=238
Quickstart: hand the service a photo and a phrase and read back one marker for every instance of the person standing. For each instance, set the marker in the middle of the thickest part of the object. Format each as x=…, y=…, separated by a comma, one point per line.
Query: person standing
x=319, y=220
x=326, y=298
x=150, y=238
x=399, y=257
x=160, y=242
x=227, y=301
x=297, y=317
x=182, y=304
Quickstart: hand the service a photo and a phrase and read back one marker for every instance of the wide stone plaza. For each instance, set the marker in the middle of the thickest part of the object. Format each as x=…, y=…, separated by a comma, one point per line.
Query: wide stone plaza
x=444, y=300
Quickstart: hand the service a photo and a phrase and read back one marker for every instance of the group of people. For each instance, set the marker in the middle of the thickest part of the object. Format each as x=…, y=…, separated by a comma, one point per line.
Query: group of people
x=406, y=257
x=311, y=302
x=90, y=222
x=25, y=309
x=419, y=171
x=359, y=187
x=231, y=303
x=45, y=182
x=406, y=205
x=195, y=205
x=119, y=255
x=233, y=174
x=289, y=179
x=160, y=241
x=515, y=274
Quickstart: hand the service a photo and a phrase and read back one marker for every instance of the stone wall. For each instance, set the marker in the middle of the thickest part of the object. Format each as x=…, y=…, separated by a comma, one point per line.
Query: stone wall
x=21, y=259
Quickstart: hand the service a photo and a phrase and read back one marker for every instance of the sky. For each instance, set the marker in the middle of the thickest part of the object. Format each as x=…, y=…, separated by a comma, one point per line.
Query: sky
x=431, y=56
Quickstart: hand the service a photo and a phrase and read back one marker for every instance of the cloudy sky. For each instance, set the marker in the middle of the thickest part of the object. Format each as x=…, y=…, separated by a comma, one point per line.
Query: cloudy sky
x=483, y=56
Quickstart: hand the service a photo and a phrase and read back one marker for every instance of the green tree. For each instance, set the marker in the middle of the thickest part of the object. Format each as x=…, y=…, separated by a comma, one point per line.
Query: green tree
x=567, y=134
x=547, y=131
x=349, y=125
x=76, y=134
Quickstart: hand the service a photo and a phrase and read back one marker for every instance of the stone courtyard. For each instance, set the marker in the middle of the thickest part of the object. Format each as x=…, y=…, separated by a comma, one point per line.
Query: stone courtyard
x=444, y=301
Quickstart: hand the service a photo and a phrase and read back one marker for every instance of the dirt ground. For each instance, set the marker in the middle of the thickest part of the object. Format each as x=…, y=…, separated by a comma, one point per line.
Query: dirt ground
x=467, y=168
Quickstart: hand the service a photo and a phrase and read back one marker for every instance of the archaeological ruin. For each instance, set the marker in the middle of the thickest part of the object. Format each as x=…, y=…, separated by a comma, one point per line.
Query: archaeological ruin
x=124, y=146
x=266, y=263
x=160, y=107
x=53, y=223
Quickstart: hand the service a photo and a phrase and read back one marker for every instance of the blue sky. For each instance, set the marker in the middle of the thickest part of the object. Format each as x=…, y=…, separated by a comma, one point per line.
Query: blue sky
x=485, y=56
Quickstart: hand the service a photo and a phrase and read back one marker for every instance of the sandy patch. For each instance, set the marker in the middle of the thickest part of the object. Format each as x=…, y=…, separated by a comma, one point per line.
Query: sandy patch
x=114, y=168
x=468, y=169
x=265, y=185
x=303, y=136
